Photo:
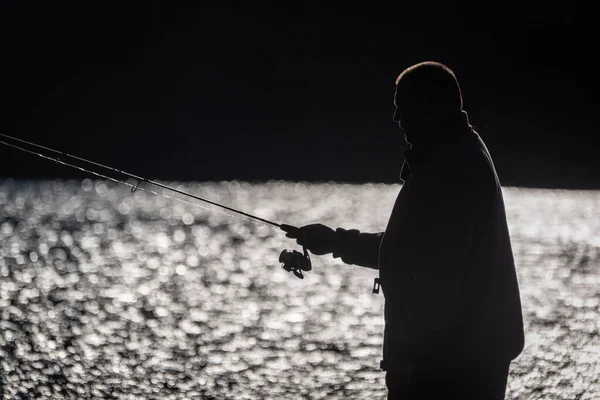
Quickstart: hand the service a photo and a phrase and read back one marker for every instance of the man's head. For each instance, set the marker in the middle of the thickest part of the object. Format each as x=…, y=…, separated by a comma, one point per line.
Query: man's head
x=427, y=96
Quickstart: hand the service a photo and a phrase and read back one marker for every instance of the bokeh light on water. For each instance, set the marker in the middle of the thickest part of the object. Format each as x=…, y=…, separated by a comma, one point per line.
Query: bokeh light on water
x=109, y=294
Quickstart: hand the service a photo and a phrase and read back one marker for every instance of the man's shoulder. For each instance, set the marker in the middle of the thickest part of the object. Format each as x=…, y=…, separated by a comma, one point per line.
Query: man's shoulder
x=464, y=163
x=474, y=158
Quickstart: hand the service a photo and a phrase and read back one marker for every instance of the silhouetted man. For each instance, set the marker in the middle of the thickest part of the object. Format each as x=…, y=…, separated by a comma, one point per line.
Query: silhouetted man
x=453, y=318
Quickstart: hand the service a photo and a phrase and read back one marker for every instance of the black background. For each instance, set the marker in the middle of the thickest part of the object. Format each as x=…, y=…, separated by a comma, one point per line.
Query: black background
x=297, y=91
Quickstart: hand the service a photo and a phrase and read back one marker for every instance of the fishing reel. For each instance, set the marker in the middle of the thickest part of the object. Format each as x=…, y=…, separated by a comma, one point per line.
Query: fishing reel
x=296, y=262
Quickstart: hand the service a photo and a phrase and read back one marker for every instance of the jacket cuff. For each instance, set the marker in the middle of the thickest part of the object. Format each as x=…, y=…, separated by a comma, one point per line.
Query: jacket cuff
x=343, y=241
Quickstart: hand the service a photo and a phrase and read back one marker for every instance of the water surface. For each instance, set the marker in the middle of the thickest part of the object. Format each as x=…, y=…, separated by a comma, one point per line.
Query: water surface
x=107, y=294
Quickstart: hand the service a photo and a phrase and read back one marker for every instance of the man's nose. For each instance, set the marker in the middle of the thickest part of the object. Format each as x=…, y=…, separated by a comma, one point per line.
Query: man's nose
x=395, y=116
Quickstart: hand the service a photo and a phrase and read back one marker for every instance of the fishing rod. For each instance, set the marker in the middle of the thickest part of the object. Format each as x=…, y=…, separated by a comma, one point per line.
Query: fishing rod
x=294, y=261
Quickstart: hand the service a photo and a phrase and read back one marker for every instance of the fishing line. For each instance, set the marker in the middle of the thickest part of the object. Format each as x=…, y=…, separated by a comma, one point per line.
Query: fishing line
x=294, y=261
x=132, y=186
x=135, y=187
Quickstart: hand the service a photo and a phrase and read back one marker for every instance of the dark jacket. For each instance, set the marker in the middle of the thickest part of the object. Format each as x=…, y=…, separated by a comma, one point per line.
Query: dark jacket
x=445, y=261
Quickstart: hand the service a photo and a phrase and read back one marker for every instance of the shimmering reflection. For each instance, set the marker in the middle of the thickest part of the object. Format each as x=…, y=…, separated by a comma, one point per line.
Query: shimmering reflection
x=109, y=294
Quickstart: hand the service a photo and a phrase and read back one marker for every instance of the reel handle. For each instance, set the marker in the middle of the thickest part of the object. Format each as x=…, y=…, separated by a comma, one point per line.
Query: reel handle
x=295, y=262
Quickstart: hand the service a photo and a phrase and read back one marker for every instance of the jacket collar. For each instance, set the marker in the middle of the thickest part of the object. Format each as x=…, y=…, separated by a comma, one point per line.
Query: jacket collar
x=416, y=158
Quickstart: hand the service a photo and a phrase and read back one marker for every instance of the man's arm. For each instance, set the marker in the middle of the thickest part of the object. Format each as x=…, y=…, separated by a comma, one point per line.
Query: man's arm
x=352, y=246
x=358, y=248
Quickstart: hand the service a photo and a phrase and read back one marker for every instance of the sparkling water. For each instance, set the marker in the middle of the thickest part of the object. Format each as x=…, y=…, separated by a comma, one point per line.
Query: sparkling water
x=110, y=294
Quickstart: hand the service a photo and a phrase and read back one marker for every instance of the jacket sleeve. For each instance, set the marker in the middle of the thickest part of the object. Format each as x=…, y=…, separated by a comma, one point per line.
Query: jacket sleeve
x=358, y=248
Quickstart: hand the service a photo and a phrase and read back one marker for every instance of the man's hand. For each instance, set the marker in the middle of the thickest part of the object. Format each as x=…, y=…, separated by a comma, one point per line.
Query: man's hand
x=317, y=238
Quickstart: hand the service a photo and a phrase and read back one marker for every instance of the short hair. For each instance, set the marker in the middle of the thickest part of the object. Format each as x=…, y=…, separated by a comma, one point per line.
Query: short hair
x=431, y=80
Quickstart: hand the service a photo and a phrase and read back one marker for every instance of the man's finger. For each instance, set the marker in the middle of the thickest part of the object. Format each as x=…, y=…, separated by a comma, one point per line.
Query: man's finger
x=294, y=235
x=292, y=231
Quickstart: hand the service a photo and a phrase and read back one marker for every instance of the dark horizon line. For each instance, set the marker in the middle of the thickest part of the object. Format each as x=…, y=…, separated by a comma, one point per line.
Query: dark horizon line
x=257, y=181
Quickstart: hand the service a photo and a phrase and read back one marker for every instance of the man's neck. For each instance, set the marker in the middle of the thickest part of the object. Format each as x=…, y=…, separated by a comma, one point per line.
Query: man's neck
x=435, y=136
x=427, y=144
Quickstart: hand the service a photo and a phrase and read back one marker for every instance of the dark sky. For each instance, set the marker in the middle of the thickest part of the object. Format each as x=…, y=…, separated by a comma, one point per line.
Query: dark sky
x=300, y=91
